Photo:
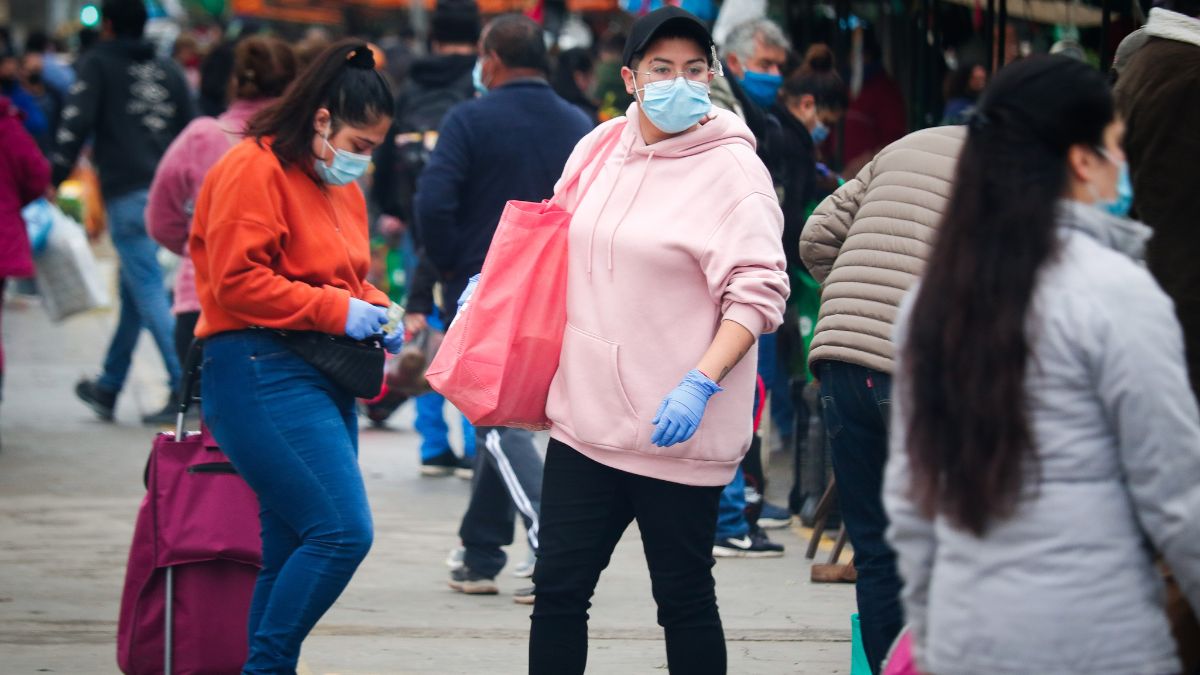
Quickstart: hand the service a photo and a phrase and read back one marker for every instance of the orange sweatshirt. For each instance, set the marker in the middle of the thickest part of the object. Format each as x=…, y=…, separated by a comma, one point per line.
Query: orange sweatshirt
x=273, y=249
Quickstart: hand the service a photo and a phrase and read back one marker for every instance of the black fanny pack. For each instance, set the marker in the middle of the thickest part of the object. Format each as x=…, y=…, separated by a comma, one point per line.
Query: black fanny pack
x=354, y=365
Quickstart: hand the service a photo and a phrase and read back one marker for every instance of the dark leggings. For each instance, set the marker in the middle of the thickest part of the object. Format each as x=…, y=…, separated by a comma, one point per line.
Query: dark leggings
x=586, y=506
x=185, y=331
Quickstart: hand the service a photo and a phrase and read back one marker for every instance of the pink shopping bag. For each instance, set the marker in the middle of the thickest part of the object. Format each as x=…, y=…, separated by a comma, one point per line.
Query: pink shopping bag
x=900, y=659
x=502, y=350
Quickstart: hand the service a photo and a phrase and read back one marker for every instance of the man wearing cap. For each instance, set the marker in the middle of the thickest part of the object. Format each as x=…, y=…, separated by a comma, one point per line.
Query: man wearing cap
x=675, y=267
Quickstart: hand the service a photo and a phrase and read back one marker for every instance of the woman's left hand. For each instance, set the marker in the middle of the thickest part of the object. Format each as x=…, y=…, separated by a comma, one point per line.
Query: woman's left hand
x=393, y=342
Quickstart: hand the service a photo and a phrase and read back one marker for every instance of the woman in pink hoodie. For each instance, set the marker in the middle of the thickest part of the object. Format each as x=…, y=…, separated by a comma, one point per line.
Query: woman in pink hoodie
x=263, y=68
x=676, y=266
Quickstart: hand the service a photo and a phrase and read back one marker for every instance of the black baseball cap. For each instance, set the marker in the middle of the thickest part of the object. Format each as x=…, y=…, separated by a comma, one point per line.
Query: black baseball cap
x=648, y=27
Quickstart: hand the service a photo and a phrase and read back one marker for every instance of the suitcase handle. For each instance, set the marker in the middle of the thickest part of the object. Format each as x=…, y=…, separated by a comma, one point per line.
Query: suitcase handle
x=187, y=384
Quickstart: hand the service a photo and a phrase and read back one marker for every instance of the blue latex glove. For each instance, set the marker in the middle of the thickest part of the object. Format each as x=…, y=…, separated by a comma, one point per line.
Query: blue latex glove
x=393, y=342
x=364, y=319
x=681, y=411
x=468, y=291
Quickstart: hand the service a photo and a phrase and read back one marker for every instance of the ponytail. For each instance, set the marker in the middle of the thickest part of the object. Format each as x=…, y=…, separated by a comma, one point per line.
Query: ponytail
x=817, y=77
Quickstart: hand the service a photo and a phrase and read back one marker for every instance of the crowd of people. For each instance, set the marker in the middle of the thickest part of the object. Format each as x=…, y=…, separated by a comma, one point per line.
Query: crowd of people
x=998, y=361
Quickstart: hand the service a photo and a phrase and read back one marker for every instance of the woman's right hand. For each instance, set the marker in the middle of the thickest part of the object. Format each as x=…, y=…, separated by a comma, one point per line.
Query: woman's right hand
x=364, y=319
x=415, y=323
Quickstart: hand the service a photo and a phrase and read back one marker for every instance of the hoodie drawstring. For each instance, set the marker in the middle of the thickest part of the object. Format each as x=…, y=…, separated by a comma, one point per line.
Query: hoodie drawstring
x=621, y=220
x=604, y=205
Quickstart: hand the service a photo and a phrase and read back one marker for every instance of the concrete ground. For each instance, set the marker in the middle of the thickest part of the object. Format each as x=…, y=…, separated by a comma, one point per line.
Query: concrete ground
x=70, y=487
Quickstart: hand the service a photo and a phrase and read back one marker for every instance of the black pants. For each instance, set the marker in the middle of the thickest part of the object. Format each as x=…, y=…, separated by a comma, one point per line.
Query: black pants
x=185, y=332
x=586, y=507
x=508, y=480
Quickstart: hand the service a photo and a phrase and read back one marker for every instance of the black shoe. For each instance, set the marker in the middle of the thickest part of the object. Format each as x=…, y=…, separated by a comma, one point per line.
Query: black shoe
x=441, y=465
x=525, y=596
x=465, y=581
x=466, y=468
x=753, y=545
x=165, y=417
x=102, y=401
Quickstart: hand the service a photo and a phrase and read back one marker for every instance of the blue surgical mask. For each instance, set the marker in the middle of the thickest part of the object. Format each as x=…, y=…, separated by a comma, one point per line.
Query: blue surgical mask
x=1121, y=204
x=675, y=105
x=477, y=78
x=762, y=88
x=346, y=167
x=819, y=133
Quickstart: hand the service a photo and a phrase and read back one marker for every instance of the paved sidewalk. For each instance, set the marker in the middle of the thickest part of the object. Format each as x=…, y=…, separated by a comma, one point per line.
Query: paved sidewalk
x=70, y=486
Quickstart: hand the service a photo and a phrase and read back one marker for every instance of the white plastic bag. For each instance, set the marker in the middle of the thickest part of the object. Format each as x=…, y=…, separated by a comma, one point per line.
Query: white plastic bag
x=67, y=276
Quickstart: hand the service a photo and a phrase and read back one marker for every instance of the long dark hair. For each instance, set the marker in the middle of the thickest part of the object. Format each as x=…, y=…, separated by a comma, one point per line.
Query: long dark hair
x=343, y=80
x=970, y=440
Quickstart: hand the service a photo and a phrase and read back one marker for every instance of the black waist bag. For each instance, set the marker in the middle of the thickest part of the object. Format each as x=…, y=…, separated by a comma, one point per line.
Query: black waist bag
x=354, y=365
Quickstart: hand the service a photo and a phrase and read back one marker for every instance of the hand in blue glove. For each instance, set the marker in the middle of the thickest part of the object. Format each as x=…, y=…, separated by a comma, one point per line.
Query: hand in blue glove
x=679, y=415
x=364, y=319
x=393, y=342
x=468, y=291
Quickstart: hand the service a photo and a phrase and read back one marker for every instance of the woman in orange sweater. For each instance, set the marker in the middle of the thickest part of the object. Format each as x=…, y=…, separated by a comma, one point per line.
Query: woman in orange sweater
x=280, y=247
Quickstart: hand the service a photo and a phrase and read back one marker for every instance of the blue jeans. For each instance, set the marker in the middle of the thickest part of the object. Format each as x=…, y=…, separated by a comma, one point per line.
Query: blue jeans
x=143, y=297
x=857, y=403
x=293, y=435
x=431, y=416
x=731, y=510
x=777, y=380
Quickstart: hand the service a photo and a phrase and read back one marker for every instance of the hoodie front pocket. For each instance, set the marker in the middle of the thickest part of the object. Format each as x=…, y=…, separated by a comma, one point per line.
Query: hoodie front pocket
x=601, y=413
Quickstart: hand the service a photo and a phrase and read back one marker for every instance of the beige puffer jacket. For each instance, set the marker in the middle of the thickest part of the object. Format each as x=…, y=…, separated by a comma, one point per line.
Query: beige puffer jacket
x=867, y=244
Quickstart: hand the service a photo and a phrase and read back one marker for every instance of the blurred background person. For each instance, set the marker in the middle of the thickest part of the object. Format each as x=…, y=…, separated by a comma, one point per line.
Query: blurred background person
x=24, y=176
x=48, y=99
x=14, y=89
x=436, y=83
x=186, y=53
x=1045, y=429
x=811, y=103
x=610, y=88
x=574, y=79
x=263, y=69
x=131, y=104
x=876, y=116
x=212, y=96
x=962, y=90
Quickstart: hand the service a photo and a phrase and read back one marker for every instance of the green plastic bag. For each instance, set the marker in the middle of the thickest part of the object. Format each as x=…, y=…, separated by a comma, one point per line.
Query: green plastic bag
x=858, y=655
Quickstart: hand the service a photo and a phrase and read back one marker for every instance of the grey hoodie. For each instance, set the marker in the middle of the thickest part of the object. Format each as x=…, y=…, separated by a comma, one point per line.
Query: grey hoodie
x=1068, y=584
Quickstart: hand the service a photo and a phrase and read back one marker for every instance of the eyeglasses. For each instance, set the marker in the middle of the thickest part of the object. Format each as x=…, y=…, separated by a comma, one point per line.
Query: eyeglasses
x=695, y=73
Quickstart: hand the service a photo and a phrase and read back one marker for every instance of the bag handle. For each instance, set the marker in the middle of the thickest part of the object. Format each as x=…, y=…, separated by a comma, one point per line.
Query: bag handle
x=191, y=370
x=600, y=151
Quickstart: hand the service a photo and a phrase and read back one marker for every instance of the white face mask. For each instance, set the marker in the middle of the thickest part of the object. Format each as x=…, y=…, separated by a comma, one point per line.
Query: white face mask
x=675, y=105
x=345, y=168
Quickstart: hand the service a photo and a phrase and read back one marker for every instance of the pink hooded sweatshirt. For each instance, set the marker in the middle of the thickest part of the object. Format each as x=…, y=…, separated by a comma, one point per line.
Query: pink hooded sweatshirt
x=669, y=240
x=177, y=183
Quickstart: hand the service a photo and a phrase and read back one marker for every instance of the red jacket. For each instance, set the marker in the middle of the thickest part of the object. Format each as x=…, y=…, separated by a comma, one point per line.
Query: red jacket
x=24, y=176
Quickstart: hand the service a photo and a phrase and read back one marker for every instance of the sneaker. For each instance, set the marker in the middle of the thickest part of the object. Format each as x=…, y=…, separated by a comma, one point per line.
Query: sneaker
x=455, y=560
x=465, y=581
x=168, y=416
x=524, y=596
x=102, y=401
x=465, y=469
x=525, y=569
x=753, y=545
x=442, y=465
x=774, y=517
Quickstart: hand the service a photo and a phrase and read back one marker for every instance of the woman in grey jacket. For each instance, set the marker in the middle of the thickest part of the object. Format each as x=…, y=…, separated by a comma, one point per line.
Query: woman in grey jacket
x=1046, y=441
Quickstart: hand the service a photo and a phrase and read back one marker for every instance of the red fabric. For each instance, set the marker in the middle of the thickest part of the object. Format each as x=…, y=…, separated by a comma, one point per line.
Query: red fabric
x=760, y=403
x=24, y=176
x=502, y=350
x=204, y=524
x=876, y=118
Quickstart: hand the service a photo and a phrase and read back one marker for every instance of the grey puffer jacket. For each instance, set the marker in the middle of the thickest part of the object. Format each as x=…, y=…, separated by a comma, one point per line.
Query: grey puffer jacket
x=867, y=244
x=1068, y=584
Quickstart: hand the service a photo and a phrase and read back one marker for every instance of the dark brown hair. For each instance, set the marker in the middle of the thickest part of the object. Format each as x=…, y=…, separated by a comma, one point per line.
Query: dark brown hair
x=263, y=67
x=342, y=80
x=817, y=77
x=969, y=439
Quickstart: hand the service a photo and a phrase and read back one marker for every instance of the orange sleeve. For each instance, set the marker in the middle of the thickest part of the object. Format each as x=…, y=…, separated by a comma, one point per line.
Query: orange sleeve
x=375, y=296
x=240, y=254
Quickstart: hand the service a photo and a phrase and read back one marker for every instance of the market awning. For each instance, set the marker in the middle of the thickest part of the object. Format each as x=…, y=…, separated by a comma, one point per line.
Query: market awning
x=1052, y=12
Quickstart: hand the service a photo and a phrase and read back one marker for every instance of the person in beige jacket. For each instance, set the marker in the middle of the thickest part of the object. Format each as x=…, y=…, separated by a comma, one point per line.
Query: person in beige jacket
x=867, y=244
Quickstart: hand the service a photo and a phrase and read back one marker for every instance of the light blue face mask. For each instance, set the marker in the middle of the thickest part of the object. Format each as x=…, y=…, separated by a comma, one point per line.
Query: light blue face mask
x=819, y=133
x=477, y=78
x=346, y=167
x=675, y=105
x=1120, y=205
